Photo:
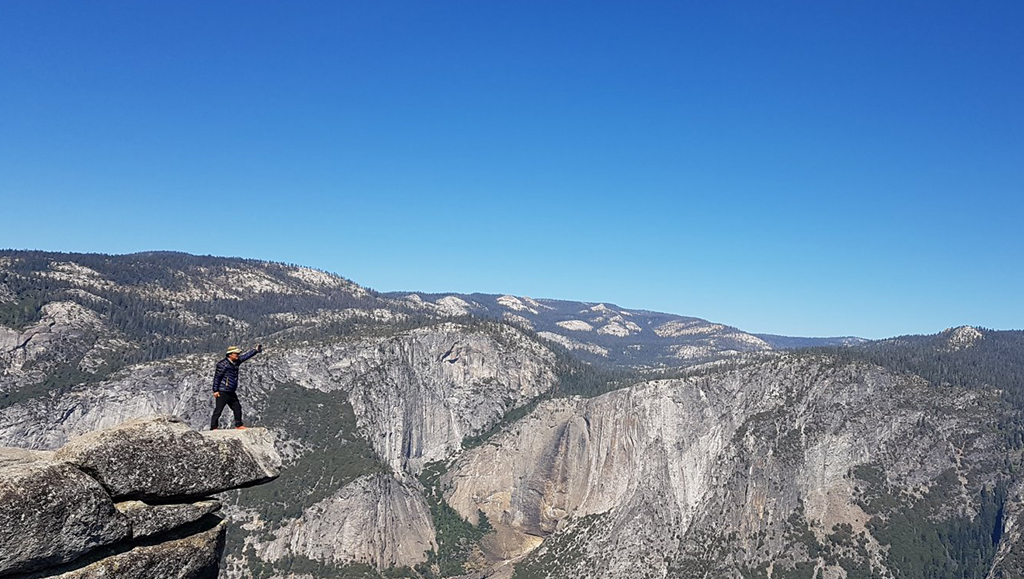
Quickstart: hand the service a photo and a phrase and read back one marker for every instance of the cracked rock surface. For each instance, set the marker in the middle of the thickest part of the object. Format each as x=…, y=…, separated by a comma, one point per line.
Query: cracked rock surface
x=51, y=513
x=191, y=557
x=58, y=517
x=150, y=520
x=160, y=457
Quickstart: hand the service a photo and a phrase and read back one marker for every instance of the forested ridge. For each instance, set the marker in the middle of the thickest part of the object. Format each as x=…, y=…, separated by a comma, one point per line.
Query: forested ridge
x=127, y=299
x=994, y=360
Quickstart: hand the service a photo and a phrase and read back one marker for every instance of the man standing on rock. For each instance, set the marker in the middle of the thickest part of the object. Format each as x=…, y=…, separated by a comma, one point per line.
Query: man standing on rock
x=225, y=384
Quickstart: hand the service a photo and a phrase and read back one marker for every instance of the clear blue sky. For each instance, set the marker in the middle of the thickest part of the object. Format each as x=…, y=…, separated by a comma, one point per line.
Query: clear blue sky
x=807, y=168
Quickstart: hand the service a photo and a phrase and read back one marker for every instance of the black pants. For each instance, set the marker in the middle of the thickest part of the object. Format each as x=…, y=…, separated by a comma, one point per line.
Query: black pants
x=229, y=399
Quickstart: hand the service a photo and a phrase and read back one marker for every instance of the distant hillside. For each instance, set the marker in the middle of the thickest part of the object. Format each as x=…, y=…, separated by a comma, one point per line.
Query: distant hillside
x=966, y=357
x=167, y=303
x=68, y=319
x=607, y=334
x=793, y=343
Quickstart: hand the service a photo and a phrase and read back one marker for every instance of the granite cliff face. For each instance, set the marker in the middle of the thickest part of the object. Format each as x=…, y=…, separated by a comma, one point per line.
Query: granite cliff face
x=735, y=473
x=69, y=514
x=416, y=394
x=375, y=519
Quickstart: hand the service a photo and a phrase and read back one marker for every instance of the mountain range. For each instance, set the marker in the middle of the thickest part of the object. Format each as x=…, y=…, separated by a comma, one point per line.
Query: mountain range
x=609, y=335
x=455, y=435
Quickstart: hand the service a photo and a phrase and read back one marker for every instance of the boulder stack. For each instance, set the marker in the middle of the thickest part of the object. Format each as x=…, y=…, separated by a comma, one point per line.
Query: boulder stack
x=129, y=501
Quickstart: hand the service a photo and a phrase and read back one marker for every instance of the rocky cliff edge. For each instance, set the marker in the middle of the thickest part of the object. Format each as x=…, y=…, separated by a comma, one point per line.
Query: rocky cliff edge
x=129, y=501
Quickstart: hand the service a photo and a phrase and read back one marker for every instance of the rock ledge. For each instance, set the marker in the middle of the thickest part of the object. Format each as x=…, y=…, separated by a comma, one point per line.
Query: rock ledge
x=82, y=512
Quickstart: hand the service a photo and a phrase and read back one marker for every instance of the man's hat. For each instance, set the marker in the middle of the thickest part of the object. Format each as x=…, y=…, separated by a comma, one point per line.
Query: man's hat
x=234, y=350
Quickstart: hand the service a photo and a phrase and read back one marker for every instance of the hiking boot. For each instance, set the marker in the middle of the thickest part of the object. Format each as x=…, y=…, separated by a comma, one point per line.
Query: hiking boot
x=241, y=428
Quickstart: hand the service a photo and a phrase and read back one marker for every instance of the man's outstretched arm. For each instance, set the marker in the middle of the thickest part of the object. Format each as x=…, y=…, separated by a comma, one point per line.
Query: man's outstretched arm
x=250, y=353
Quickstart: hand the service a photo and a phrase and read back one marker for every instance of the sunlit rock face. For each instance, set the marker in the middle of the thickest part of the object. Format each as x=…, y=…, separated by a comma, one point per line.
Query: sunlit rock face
x=376, y=520
x=160, y=457
x=58, y=515
x=52, y=513
x=739, y=460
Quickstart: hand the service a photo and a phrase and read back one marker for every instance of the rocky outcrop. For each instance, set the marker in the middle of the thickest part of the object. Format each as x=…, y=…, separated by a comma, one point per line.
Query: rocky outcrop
x=58, y=516
x=51, y=513
x=194, y=556
x=147, y=520
x=160, y=457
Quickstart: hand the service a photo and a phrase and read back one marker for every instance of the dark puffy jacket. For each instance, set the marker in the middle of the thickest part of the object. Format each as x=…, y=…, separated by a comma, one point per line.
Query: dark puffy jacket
x=225, y=379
